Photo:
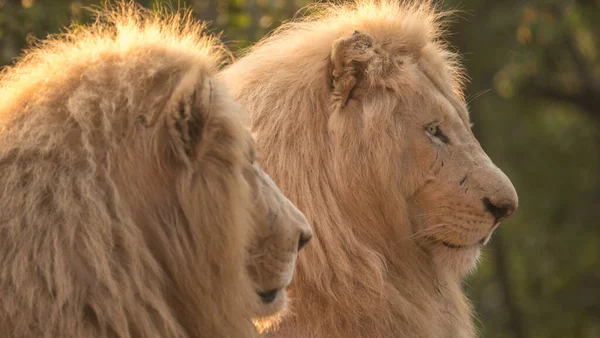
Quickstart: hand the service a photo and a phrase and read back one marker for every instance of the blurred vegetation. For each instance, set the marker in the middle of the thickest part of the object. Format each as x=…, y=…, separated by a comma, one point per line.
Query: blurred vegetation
x=535, y=101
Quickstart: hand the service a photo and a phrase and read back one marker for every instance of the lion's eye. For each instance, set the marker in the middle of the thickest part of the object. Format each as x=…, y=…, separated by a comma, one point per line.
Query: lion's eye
x=435, y=131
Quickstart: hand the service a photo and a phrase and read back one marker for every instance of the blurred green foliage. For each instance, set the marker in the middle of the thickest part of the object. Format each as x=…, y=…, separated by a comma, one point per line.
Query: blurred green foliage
x=534, y=96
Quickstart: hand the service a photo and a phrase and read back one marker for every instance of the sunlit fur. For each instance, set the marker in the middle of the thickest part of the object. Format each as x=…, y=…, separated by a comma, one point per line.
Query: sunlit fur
x=124, y=211
x=339, y=104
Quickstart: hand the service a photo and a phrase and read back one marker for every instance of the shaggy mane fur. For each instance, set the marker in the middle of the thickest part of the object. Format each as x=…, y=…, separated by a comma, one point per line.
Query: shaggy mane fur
x=105, y=231
x=362, y=276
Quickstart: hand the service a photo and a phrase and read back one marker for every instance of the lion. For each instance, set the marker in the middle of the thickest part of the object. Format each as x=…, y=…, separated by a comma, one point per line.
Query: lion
x=132, y=201
x=358, y=112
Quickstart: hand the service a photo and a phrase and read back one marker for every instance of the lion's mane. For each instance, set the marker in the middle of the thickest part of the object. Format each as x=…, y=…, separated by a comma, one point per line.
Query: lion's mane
x=362, y=276
x=101, y=234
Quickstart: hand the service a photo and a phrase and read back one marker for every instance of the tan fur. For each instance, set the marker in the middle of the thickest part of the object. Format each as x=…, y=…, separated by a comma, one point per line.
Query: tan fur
x=131, y=206
x=358, y=114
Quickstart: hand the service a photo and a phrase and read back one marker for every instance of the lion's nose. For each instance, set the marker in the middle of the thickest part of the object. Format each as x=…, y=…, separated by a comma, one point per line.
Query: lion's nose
x=500, y=209
x=305, y=237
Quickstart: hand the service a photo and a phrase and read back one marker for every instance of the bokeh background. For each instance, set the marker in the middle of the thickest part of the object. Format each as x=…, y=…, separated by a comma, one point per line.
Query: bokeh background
x=534, y=97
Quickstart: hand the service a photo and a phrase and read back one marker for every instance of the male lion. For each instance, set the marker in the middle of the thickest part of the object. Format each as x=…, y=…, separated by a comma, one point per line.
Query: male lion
x=131, y=202
x=358, y=113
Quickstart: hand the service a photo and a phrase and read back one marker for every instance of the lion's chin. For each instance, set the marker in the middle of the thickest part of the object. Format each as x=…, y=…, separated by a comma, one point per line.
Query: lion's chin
x=271, y=303
x=456, y=246
x=457, y=260
x=477, y=244
x=480, y=243
x=270, y=314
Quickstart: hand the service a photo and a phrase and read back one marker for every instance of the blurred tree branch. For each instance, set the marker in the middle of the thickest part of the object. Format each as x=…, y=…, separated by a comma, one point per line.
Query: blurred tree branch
x=515, y=314
x=586, y=98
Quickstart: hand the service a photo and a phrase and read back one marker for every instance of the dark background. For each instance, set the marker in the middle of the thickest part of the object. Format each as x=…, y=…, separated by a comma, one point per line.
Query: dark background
x=535, y=101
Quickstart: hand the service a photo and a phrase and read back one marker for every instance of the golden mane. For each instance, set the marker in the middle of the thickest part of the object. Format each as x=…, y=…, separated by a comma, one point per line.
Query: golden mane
x=363, y=276
x=408, y=25
x=119, y=31
x=108, y=229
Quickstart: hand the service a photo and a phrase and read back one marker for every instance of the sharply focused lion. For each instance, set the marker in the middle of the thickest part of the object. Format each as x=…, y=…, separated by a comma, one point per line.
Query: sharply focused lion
x=132, y=205
x=359, y=117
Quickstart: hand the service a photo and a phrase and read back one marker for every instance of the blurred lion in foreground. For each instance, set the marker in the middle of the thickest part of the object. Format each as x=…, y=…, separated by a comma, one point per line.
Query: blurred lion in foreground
x=359, y=117
x=131, y=202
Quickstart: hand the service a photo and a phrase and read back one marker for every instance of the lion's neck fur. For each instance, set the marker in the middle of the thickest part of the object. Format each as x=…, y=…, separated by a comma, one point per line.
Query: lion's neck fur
x=362, y=275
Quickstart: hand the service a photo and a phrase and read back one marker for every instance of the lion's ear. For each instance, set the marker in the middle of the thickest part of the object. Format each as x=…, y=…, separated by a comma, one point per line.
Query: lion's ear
x=188, y=112
x=355, y=60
